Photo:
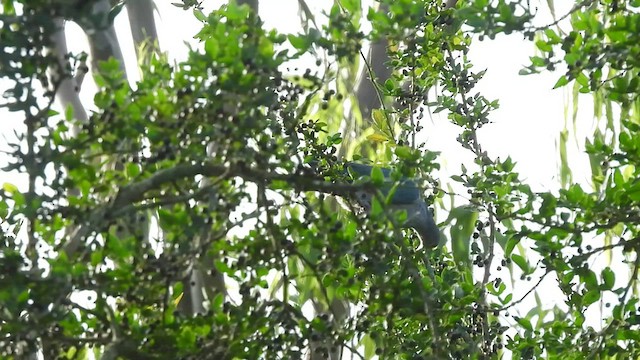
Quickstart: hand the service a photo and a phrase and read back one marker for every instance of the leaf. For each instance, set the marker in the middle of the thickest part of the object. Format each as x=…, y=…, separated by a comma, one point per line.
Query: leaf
x=68, y=112
x=280, y=185
x=552, y=36
x=96, y=257
x=217, y=303
x=548, y=207
x=186, y=338
x=133, y=170
x=521, y=262
x=525, y=323
x=507, y=299
x=377, y=176
x=511, y=244
x=590, y=280
x=350, y=5
x=10, y=188
x=369, y=346
x=199, y=15
x=591, y=297
x=4, y=210
x=565, y=169
x=461, y=233
x=115, y=10
x=562, y=81
x=582, y=79
x=378, y=118
x=543, y=46
x=301, y=43
x=608, y=279
x=212, y=48
x=404, y=152
x=377, y=137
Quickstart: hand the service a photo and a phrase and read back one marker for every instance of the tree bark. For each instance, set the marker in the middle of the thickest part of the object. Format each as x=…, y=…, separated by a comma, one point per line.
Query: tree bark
x=142, y=21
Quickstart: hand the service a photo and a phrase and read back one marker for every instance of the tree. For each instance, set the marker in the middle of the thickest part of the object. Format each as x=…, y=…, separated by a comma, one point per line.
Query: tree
x=194, y=214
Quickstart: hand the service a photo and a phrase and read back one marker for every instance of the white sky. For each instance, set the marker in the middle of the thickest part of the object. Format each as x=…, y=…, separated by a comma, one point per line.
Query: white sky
x=526, y=127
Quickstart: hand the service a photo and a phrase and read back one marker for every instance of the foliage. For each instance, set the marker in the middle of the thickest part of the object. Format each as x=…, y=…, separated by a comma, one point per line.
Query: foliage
x=233, y=158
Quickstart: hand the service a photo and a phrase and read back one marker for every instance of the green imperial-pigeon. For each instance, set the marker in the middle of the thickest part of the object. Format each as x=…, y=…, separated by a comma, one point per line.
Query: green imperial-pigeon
x=406, y=197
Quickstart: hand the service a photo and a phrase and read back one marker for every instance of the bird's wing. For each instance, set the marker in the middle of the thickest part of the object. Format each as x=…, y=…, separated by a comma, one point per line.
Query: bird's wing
x=406, y=192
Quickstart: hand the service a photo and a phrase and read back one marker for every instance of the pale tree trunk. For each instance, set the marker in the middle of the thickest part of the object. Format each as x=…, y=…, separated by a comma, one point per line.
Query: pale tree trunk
x=204, y=282
x=103, y=41
x=142, y=23
x=103, y=45
x=368, y=99
x=367, y=93
x=69, y=89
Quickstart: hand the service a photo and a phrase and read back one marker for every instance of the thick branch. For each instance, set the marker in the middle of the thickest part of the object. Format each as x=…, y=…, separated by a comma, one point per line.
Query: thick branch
x=142, y=22
x=137, y=191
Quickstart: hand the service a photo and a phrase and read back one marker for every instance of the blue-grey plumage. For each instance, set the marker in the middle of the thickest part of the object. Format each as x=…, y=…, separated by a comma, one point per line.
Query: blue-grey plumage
x=406, y=197
x=406, y=192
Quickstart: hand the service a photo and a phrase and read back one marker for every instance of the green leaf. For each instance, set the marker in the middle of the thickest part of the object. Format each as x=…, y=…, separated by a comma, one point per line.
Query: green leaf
x=591, y=297
x=369, y=347
x=376, y=207
x=511, y=244
x=552, y=36
x=186, y=338
x=525, y=323
x=4, y=210
x=350, y=6
x=378, y=137
x=582, y=79
x=548, y=207
x=590, y=280
x=507, y=299
x=538, y=61
x=115, y=10
x=378, y=118
x=461, y=233
x=133, y=170
x=10, y=188
x=389, y=85
x=405, y=152
x=608, y=278
x=212, y=48
x=562, y=81
x=96, y=257
x=377, y=176
x=543, y=46
x=521, y=262
x=280, y=185
x=300, y=43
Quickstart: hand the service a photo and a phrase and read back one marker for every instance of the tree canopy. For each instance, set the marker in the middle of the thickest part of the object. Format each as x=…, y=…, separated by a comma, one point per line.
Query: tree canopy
x=196, y=213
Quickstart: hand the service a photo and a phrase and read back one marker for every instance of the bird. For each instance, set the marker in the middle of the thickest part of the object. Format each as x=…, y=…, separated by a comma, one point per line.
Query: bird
x=406, y=197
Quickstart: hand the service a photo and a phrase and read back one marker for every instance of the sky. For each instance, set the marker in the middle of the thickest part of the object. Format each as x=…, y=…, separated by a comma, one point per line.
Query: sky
x=525, y=127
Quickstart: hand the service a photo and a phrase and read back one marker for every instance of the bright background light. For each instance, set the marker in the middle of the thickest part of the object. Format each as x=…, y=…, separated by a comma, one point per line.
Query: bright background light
x=526, y=126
